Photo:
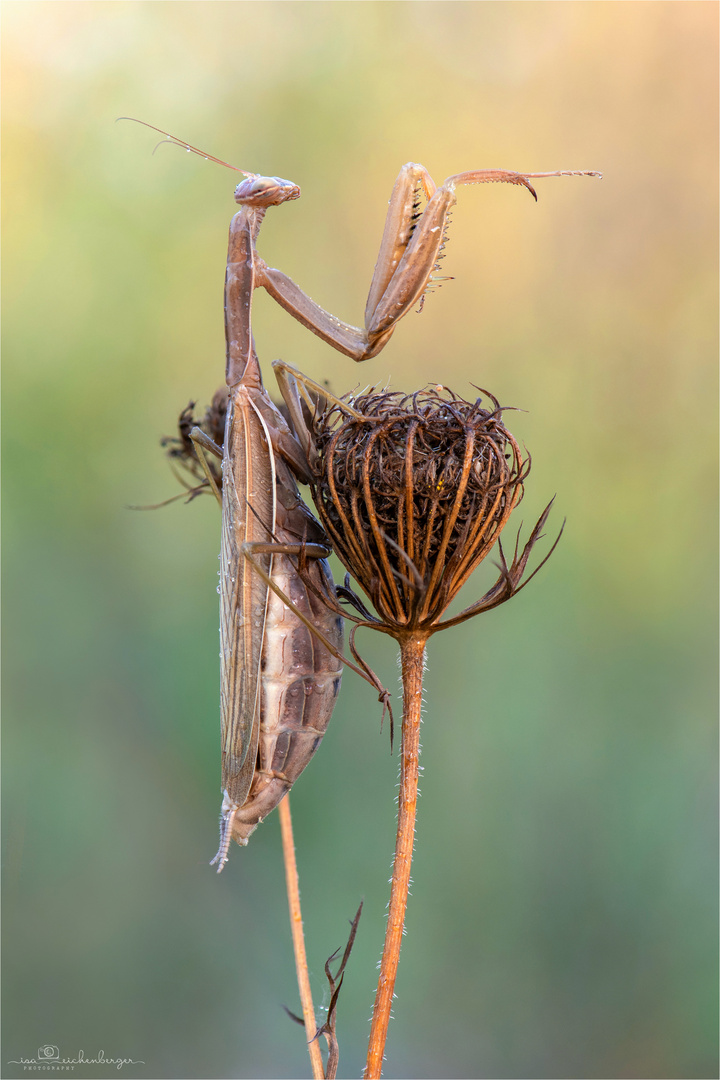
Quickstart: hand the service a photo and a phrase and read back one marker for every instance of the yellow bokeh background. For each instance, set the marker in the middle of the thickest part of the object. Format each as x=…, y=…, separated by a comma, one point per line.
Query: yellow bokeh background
x=562, y=918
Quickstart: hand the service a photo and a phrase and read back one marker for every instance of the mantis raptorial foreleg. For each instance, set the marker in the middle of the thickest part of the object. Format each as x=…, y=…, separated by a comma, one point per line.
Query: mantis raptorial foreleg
x=411, y=246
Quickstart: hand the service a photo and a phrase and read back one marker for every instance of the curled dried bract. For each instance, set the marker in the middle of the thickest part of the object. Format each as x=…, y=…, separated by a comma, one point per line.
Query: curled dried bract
x=181, y=450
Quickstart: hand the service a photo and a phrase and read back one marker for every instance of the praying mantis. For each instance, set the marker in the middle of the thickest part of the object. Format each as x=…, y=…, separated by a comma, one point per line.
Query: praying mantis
x=281, y=659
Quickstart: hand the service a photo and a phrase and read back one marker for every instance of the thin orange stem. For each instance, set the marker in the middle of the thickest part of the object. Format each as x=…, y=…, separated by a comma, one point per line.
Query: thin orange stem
x=296, y=926
x=412, y=655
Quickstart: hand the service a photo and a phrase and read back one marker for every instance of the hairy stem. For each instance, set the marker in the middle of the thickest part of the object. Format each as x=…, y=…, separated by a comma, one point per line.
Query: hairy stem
x=412, y=657
x=296, y=926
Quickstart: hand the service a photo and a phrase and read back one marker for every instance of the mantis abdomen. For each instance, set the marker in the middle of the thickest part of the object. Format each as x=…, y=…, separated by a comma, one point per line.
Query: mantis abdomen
x=299, y=685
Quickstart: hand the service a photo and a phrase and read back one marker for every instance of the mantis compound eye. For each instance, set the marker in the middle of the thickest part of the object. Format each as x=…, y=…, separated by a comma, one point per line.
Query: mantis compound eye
x=266, y=191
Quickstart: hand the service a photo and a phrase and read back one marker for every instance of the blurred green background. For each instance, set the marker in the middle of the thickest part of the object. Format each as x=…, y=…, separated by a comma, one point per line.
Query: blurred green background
x=562, y=922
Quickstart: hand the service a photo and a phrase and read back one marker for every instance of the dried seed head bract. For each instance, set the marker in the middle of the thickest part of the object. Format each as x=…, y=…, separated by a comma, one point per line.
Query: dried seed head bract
x=181, y=450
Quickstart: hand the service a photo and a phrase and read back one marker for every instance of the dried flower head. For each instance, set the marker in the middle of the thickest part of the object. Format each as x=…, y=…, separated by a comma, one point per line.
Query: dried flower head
x=413, y=491
x=181, y=450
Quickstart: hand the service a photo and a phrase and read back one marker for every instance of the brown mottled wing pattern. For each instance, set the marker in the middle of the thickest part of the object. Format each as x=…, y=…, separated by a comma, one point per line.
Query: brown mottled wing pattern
x=248, y=481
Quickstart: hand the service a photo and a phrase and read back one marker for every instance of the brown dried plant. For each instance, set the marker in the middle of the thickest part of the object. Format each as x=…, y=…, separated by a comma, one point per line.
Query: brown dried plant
x=414, y=491
x=181, y=450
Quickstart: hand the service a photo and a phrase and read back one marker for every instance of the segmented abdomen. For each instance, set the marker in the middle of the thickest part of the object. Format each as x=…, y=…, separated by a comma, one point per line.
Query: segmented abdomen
x=300, y=682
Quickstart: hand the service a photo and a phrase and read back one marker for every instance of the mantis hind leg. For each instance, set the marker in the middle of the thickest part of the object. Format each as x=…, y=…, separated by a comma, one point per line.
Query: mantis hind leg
x=313, y=551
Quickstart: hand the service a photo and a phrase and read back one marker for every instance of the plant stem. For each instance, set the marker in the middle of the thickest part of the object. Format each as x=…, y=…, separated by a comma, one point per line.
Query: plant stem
x=412, y=657
x=296, y=927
